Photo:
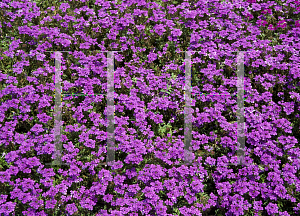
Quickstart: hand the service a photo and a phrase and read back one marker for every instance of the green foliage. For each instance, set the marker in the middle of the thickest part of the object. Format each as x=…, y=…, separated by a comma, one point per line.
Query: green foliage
x=3, y=163
x=163, y=128
x=176, y=211
x=45, y=4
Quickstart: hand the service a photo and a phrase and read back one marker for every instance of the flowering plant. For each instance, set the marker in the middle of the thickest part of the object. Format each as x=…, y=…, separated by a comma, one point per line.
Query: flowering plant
x=148, y=176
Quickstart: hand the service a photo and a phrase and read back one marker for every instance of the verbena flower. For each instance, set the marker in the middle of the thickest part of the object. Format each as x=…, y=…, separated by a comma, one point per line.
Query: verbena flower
x=64, y=7
x=210, y=161
x=282, y=24
x=71, y=208
x=7, y=208
x=262, y=23
x=272, y=208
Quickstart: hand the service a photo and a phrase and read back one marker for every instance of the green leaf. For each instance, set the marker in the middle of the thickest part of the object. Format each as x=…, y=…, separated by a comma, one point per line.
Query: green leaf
x=134, y=79
x=176, y=210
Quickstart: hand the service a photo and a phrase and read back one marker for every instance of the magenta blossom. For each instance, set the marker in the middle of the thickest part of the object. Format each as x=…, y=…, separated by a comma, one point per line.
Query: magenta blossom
x=281, y=24
x=271, y=27
x=267, y=11
x=250, y=16
x=261, y=22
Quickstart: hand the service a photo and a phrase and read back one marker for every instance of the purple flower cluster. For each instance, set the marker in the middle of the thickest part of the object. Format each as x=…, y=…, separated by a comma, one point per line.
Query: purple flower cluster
x=149, y=177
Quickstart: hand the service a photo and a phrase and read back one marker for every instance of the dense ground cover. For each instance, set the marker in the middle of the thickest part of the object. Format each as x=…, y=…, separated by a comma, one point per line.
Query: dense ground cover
x=149, y=123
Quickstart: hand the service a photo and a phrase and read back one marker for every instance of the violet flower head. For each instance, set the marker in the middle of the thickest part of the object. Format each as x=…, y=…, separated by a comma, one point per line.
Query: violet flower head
x=272, y=208
x=261, y=22
x=282, y=24
x=7, y=208
x=250, y=16
x=152, y=57
x=271, y=27
x=210, y=161
x=71, y=208
x=3, y=198
x=87, y=203
x=64, y=6
x=264, y=11
x=256, y=7
x=176, y=32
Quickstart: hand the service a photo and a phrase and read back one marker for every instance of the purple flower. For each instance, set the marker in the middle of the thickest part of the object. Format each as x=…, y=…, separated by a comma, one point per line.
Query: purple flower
x=105, y=176
x=170, y=184
x=176, y=32
x=87, y=203
x=27, y=183
x=7, y=208
x=131, y=173
x=282, y=24
x=250, y=16
x=50, y=204
x=152, y=57
x=4, y=176
x=3, y=198
x=44, y=118
x=155, y=176
x=64, y=6
x=271, y=27
x=133, y=158
x=223, y=187
x=157, y=185
x=133, y=188
x=256, y=7
x=108, y=198
x=32, y=162
x=90, y=143
x=261, y=22
x=71, y=208
x=267, y=11
x=11, y=156
x=257, y=206
x=159, y=29
x=272, y=208
x=285, y=213
x=35, y=203
x=47, y=172
x=280, y=191
x=74, y=170
x=210, y=161
x=160, y=208
x=149, y=192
